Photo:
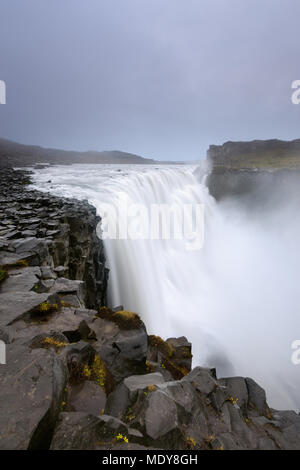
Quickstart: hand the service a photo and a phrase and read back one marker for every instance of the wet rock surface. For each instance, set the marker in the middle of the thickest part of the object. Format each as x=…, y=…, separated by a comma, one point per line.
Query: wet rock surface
x=79, y=375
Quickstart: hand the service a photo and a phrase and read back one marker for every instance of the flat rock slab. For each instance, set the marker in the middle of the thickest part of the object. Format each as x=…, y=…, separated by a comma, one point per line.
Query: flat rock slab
x=139, y=382
x=7, y=258
x=22, y=280
x=62, y=321
x=68, y=286
x=32, y=387
x=16, y=304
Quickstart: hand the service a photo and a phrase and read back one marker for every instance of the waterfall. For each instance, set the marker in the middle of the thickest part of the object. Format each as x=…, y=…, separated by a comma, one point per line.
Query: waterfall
x=236, y=299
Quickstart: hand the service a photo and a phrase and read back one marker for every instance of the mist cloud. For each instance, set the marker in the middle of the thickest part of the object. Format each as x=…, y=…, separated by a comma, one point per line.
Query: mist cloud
x=159, y=78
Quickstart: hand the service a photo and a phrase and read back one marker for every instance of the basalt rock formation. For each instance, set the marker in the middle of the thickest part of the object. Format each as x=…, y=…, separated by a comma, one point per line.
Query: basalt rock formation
x=79, y=375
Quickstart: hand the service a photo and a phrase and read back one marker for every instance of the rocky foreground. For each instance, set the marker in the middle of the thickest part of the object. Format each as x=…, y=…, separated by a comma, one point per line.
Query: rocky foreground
x=79, y=375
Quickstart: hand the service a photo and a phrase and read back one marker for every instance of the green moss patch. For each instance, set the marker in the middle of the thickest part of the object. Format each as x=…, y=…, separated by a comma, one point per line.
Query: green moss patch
x=162, y=346
x=168, y=360
x=3, y=275
x=124, y=319
x=44, y=309
x=21, y=263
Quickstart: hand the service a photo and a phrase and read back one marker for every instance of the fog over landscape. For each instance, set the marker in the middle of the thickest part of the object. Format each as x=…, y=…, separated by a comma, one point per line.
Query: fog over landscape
x=162, y=79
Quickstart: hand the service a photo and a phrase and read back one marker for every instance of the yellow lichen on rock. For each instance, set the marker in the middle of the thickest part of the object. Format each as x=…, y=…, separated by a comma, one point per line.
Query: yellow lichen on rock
x=125, y=319
x=58, y=345
x=190, y=442
x=98, y=373
x=46, y=307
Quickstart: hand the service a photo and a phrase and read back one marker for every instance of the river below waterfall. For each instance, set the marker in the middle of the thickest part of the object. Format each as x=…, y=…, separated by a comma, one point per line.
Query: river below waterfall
x=236, y=298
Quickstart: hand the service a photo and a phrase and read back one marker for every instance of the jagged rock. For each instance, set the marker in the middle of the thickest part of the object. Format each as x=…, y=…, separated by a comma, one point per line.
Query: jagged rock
x=34, y=245
x=61, y=270
x=236, y=388
x=76, y=431
x=181, y=352
x=183, y=394
x=123, y=350
x=31, y=393
x=224, y=441
x=174, y=355
x=256, y=396
x=161, y=417
x=87, y=397
x=72, y=292
x=118, y=402
x=85, y=364
x=47, y=273
x=79, y=353
x=160, y=368
x=44, y=285
x=239, y=427
x=284, y=429
x=63, y=321
x=203, y=379
x=83, y=332
x=21, y=280
x=126, y=393
x=111, y=427
x=84, y=312
x=148, y=404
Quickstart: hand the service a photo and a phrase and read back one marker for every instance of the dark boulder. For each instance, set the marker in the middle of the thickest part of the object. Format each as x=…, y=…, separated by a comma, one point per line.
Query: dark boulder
x=31, y=394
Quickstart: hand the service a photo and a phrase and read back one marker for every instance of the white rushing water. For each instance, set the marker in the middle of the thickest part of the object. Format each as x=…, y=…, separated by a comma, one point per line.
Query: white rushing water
x=237, y=299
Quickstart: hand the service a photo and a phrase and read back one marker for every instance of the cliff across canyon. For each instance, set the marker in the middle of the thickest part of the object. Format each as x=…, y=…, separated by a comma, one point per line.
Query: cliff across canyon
x=252, y=170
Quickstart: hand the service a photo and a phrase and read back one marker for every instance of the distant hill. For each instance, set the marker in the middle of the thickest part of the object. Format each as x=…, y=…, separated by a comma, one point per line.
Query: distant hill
x=14, y=154
x=260, y=154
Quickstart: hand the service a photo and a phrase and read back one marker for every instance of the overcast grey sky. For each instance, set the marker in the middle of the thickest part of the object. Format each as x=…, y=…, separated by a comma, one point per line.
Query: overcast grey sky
x=160, y=78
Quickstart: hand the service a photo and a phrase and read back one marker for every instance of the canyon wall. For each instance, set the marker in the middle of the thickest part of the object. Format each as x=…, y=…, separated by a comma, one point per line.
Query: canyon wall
x=253, y=170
